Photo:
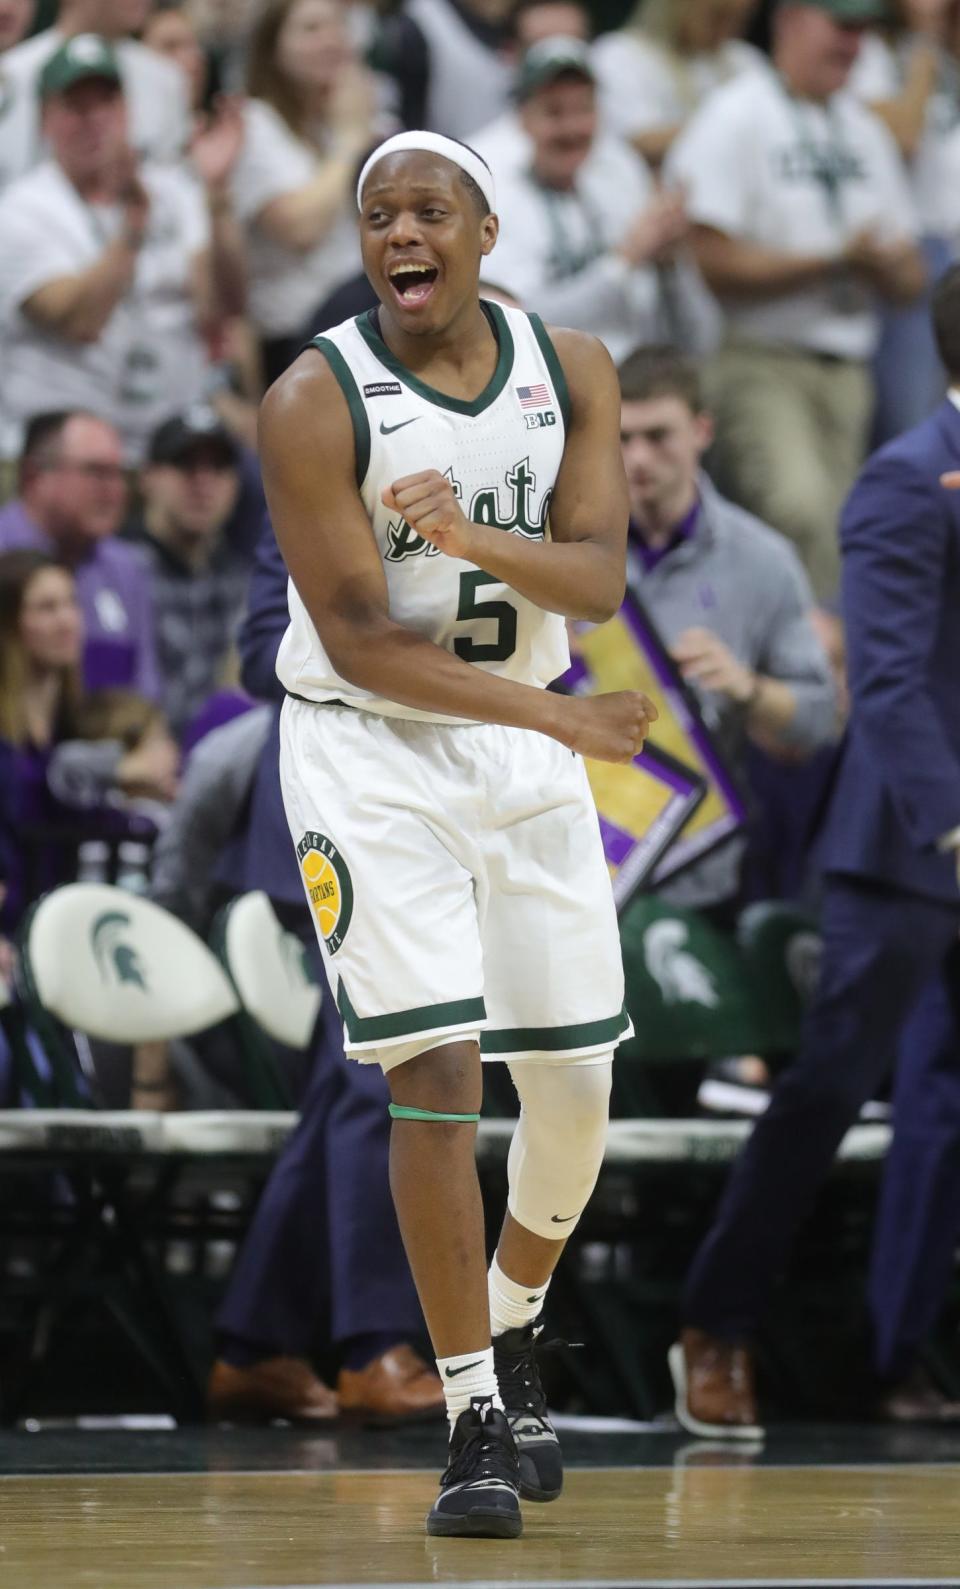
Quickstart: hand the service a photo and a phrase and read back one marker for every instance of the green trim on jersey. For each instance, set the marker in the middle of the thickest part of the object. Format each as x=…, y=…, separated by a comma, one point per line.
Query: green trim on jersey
x=552, y=1039
x=552, y=361
x=457, y=405
x=406, y=1023
x=351, y=391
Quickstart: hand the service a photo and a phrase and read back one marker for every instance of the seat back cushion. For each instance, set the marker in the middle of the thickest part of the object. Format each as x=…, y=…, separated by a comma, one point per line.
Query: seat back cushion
x=270, y=971
x=118, y=967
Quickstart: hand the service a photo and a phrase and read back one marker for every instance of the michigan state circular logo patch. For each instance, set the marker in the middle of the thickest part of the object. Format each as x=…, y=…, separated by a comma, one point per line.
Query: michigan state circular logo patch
x=328, y=886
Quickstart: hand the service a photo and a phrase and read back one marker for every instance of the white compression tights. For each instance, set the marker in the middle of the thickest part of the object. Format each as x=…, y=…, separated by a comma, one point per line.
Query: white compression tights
x=557, y=1148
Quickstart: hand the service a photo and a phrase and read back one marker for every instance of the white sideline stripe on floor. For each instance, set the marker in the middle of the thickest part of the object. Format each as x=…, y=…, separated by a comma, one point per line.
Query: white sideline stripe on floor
x=556, y=1582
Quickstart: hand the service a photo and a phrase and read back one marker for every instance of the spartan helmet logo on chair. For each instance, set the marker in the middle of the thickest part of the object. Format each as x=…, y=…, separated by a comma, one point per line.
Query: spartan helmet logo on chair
x=680, y=976
x=113, y=956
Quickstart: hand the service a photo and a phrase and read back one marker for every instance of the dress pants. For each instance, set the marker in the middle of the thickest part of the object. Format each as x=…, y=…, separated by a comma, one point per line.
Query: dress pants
x=323, y=1260
x=919, y=1210
x=887, y=986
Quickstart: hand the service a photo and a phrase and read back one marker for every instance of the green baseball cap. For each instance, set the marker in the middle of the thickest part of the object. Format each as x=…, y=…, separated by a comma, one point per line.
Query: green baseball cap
x=853, y=12
x=77, y=61
x=549, y=59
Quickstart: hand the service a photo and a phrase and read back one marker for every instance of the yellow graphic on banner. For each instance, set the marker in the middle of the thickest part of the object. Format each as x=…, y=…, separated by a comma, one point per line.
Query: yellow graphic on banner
x=618, y=655
x=630, y=797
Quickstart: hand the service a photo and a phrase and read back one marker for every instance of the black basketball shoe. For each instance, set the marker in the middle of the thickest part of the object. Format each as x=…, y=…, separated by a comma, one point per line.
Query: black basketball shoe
x=518, y=1380
x=479, y=1491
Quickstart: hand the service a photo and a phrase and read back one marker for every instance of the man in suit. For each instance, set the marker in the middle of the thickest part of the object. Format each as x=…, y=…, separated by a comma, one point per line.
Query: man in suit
x=890, y=979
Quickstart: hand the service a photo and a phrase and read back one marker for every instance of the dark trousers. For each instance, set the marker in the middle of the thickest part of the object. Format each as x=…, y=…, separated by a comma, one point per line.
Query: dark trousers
x=888, y=988
x=323, y=1256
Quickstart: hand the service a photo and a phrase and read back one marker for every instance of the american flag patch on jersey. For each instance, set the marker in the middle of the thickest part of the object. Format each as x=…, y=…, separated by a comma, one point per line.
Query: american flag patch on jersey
x=533, y=396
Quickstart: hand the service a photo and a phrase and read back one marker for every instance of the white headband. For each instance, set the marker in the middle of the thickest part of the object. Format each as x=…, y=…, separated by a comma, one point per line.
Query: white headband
x=434, y=143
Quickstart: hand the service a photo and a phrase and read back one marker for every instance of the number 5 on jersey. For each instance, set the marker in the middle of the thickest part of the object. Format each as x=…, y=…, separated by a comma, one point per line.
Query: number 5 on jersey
x=501, y=612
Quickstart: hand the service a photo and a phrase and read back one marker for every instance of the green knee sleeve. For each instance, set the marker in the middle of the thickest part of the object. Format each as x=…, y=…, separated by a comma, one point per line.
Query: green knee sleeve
x=401, y=1112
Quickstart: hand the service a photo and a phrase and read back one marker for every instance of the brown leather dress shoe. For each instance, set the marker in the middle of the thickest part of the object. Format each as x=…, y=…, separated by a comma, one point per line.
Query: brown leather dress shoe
x=713, y=1380
x=398, y=1387
x=916, y=1399
x=276, y=1387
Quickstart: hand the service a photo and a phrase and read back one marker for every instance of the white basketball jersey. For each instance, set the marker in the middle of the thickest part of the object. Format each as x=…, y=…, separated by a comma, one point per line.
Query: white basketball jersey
x=502, y=452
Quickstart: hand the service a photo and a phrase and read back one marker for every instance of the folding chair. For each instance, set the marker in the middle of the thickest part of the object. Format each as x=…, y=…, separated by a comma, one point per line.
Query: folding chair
x=96, y=961
x=690, y=996
x=781, y=947
x=277, y=991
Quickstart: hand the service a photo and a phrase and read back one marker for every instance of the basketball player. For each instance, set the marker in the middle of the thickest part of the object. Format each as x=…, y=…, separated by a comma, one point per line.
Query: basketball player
x=445, y=480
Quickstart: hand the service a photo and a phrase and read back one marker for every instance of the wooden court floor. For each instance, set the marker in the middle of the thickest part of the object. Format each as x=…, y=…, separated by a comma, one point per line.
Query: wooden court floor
x=707, y=1517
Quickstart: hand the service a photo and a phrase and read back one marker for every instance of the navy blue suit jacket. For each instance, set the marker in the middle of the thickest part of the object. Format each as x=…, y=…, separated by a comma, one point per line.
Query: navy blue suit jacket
x=266, y=858
x=898, y=784
x=266, y=618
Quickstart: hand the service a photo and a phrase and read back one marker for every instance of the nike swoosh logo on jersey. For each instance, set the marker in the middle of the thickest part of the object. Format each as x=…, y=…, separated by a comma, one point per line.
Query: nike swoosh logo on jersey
x=388, y=430
x=555, y=1219
x=452, y=1373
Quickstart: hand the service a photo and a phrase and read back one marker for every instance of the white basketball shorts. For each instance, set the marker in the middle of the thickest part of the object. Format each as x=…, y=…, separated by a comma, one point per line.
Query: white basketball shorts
x=457, y=884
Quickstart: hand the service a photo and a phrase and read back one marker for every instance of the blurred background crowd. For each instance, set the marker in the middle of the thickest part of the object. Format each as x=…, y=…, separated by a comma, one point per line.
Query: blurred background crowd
x=750, y=204
x=763, y=196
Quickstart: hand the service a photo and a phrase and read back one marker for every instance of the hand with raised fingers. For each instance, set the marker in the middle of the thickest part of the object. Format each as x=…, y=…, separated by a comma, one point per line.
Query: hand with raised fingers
x=217, y=143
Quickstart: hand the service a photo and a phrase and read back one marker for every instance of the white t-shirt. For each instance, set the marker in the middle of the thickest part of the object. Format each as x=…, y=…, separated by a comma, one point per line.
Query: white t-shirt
x=286, y=285
x=150, y=360
x=800, y=178
x=155, y=90
x=644, y=86
x=468, y=81
x=554, y=255
x=504, y=144
x=949, y=218
x=879, y=74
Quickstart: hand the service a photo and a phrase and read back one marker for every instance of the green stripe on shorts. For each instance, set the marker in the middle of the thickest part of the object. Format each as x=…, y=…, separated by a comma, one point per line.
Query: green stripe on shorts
x=406, y=1023
x=523, y=1039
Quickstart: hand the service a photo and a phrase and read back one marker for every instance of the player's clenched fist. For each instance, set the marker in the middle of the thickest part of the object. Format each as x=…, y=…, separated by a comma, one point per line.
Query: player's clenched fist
x=607, y=727
x=429, y=505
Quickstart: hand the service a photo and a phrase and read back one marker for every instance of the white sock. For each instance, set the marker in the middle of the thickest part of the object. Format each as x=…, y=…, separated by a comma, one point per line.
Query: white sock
x=511, y=1305
x=468, y=1375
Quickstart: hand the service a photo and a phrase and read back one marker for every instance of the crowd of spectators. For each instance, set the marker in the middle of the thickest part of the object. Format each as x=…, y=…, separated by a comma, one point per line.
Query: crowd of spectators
x=748, y=203
x=177, y=217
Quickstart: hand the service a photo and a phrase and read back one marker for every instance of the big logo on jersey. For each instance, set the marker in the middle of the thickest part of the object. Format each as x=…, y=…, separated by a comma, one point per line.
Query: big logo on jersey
x=511, y=511
x=328, y=886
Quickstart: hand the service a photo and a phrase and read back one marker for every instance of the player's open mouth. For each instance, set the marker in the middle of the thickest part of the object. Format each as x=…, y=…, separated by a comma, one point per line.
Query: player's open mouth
x=413, y=284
